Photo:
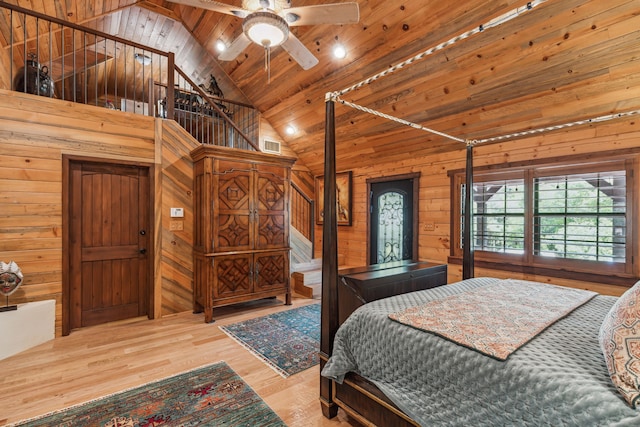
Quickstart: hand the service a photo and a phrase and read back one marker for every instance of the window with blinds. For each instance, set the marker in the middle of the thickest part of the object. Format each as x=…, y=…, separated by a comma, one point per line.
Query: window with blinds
x=498, y=216
x=581, y=216
x=576, y=217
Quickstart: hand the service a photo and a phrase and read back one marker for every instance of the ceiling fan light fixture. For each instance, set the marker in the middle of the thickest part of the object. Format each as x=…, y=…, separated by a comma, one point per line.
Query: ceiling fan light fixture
x=266, y=29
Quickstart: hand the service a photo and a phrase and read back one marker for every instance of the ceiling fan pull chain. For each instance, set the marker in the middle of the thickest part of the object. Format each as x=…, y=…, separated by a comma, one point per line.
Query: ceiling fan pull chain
x=267, y=63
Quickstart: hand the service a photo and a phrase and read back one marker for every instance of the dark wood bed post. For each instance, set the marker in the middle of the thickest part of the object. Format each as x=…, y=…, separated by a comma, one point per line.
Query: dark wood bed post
x=329, y=310
x=467, y=244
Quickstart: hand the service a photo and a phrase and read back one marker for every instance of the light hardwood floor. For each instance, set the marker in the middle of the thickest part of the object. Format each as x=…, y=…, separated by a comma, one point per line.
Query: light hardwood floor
x=97, y=361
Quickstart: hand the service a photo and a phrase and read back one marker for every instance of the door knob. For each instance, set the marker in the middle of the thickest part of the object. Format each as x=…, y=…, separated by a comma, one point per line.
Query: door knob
x=143, y=251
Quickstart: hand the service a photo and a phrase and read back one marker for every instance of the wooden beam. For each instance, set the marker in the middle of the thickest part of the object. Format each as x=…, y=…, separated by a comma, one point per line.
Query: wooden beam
x=171, y=14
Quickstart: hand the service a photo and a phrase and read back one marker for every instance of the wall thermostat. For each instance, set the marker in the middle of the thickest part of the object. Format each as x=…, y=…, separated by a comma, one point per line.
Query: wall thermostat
x=177, y=212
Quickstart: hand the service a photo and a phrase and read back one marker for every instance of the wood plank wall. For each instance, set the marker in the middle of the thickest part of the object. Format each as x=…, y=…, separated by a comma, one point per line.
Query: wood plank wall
x=35, y=132
x=269, y=133
x=5, y=69
x=435, y=191
x=177, y=244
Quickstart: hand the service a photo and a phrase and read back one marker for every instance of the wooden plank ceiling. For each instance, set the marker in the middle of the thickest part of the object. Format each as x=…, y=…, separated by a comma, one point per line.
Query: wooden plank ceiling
x=562, y=61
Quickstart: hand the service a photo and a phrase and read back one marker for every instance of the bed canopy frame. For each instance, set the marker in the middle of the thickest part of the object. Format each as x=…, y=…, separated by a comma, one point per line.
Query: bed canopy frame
x=329, y=318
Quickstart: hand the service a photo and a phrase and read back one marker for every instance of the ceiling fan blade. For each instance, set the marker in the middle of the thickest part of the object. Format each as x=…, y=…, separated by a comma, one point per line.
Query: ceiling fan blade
x=335, y=13
x=299, y=52
x=214, y=6
x=236, y=47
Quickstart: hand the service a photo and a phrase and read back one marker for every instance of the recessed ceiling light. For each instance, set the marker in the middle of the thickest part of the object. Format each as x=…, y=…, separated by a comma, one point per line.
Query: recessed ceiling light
x=220, y=46
x=339, y=51
x=290, y=130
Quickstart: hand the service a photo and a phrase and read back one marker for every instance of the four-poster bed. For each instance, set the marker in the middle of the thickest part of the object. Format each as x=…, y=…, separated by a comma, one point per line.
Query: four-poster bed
x=382, y=372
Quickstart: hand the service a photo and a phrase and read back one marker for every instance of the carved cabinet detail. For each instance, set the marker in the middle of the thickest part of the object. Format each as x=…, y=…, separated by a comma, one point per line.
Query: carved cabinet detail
x=241, y=241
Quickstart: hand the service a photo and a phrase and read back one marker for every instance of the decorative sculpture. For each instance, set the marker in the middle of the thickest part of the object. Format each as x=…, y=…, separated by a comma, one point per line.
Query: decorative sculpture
x=34, y=78
x=212, y=88
x=10, y=280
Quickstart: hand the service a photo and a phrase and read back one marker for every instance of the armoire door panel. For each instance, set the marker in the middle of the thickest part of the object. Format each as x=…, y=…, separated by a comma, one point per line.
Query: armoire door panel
x=232, y=275
x=270, y=270
x=234, y=232
x=273, y=231
x=234, y=190
x=271, y=193
x=272, y=208
x=233, y=229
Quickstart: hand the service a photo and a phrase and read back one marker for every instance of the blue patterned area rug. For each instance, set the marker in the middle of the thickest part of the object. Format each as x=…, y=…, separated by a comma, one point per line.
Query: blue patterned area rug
x=287, y=341
x=211, y=395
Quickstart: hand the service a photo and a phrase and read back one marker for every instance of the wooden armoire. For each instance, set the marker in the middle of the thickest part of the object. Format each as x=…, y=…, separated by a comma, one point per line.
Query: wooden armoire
x=241, y=233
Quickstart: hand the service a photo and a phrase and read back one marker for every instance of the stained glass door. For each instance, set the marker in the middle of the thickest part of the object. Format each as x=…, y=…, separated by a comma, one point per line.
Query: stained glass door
x=391, y=222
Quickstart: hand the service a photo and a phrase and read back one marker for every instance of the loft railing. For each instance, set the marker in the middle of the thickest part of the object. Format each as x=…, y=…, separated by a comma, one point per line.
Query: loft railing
x=210, y=119
x=50, y=57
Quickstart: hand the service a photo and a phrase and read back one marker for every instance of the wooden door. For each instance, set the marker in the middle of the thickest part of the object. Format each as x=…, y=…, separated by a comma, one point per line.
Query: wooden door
x=392, y=222
x=109, y=243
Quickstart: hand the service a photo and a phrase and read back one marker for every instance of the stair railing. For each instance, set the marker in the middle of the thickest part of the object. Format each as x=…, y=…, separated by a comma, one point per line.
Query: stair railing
x=302, y=214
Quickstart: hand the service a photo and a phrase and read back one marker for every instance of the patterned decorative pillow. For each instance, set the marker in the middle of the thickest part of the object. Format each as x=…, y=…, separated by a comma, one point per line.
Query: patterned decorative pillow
x=620, y=342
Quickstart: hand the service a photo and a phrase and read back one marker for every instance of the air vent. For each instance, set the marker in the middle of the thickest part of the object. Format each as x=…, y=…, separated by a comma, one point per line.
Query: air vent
x=272, y=147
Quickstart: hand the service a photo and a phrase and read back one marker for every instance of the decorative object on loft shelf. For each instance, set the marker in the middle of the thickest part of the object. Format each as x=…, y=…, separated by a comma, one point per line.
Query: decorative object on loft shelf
x=213, y=88
x=10, y=280
x=34, y=78
x=343, y=198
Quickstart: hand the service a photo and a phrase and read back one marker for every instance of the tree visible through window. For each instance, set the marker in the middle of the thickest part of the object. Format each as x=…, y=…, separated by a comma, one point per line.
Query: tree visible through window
x=576, y=217
x=581, y=216
x=499, y=216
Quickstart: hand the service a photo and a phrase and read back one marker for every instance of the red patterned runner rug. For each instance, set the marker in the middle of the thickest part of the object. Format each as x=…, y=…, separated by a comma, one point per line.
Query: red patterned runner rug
x=495, y=319
x=212, y=395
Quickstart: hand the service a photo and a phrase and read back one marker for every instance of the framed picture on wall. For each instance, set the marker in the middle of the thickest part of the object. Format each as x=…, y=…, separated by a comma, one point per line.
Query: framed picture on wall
x=343, y=198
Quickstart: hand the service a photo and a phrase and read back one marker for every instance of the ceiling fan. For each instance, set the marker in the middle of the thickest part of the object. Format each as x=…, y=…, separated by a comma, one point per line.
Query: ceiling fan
x=267, y=22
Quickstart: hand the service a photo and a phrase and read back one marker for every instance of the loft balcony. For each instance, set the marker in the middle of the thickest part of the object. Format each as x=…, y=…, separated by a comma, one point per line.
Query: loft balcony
x=49, y=57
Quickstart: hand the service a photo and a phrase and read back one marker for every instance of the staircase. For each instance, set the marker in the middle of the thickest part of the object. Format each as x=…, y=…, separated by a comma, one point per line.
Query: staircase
x=301, y=247
x=306, y=272
x=306, y=278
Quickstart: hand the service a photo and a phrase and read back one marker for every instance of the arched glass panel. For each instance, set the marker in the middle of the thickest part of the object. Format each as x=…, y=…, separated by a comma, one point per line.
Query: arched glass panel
x=390, y=227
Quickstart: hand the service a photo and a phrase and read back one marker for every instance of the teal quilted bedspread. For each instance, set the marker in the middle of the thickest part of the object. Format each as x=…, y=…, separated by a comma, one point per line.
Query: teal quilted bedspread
x=557, y=379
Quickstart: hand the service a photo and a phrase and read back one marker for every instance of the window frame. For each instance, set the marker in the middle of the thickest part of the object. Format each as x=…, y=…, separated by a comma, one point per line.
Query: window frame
x=537, y=264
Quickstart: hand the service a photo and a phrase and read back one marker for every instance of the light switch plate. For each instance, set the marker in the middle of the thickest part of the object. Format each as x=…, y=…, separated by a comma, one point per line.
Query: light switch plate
x=177, y=212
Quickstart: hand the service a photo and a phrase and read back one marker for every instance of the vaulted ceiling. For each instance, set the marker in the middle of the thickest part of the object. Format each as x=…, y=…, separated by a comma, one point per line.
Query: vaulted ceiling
x=563, y=60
